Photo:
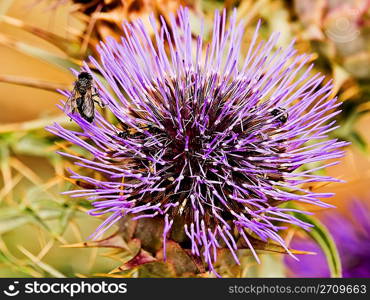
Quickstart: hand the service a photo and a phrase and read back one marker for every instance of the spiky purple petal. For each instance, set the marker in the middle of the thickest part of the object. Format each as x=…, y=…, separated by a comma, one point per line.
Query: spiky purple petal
x=212, y=137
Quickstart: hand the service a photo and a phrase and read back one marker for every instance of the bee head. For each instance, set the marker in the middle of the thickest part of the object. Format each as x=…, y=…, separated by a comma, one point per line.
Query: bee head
x=84, y=75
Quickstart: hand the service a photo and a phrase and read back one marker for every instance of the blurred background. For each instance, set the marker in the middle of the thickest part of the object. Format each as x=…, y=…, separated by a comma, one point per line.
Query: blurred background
x=40, y=40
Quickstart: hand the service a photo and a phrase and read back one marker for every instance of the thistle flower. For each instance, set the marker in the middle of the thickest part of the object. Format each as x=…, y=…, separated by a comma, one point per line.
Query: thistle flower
x=209, y=139
x=351, y=234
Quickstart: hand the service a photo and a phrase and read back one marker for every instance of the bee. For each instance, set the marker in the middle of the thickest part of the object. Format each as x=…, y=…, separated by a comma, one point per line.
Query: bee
x=123, y=134
x=127, y=132
x=84, y=96
x=281, y=114
x=154, y=130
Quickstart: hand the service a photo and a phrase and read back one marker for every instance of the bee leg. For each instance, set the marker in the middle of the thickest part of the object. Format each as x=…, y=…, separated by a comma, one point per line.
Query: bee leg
x=99, y=102
x=96, y=98
x=74, y=108
x=72, y=111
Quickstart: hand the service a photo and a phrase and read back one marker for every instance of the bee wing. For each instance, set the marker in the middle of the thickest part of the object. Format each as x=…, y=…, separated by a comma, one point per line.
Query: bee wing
x=97, y=99
x=70, y=105
x=87, y=107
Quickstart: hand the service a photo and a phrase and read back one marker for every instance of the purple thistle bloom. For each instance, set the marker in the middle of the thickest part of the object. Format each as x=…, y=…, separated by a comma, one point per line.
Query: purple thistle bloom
x=210, y=137
x=352, y=237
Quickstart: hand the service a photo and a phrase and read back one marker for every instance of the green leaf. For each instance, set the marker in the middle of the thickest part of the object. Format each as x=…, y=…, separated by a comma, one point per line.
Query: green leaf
x=45, y=267
x=33, y=145
x=323, y=238
x=12, y=218
x=35, y=124
x=65, y=217
x=10, y=223
x=58, y=61
x=70, y=47
x=271, y=266
x=62, y=62
x=13, y=263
